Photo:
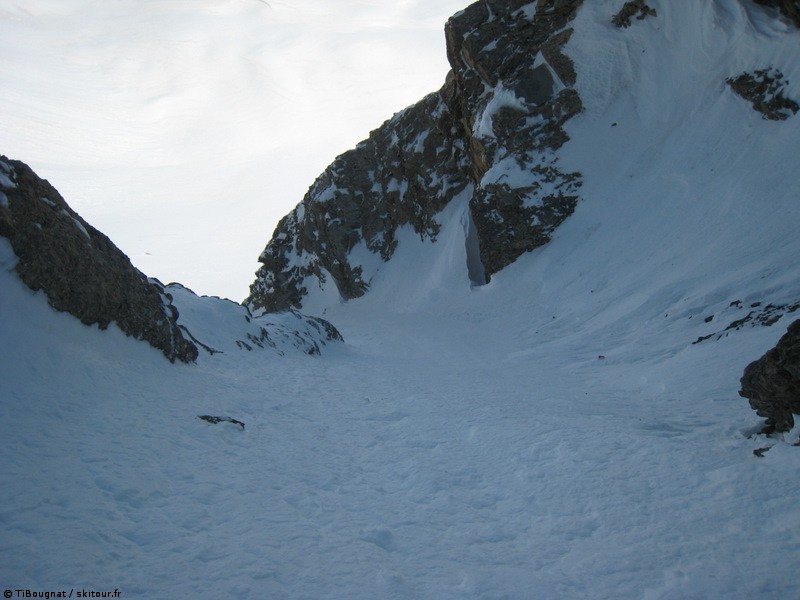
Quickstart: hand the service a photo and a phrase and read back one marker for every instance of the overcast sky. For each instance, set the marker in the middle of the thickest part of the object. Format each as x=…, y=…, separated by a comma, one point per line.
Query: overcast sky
x=185, y=129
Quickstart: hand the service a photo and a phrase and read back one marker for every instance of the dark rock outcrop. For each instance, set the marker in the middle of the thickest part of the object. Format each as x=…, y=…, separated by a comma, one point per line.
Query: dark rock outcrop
x=214, y=420
x=78, y=268
x=788, y=8
x=632, y=8
x=772, y=383
x=488, y=139
x=764, y=90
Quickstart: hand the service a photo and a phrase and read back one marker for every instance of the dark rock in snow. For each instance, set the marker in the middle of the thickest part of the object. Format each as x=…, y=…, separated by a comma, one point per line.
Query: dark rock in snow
x=488, y=139
x=759, y=452
x=789, y=8
x=764, y=90
x=772, y=383
x=633, y=8
x=78, y=268
x=215, y=420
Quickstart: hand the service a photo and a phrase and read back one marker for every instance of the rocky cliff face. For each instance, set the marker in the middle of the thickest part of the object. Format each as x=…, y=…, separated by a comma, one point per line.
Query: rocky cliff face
x=79, y=269
x=510, y=89
x=488, y=138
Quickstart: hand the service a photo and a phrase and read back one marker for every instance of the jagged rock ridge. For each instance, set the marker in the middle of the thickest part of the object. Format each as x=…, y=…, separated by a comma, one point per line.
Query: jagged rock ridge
x=488, y=138
x=510, y=88
x=79, y=269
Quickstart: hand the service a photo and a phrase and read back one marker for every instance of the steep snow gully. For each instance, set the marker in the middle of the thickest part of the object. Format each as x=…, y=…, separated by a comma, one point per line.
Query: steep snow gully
x=554, y=433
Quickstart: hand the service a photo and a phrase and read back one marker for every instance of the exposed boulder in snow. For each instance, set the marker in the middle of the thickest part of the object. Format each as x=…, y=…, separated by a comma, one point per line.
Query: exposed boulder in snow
x=79, y=269
x=633, y=8
x=215, y=420
x=764, y=90
x=488, y=137
x=772, y=383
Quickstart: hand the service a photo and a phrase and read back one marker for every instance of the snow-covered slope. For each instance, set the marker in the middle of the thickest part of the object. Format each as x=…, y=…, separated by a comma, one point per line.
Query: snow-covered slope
x=555, y=433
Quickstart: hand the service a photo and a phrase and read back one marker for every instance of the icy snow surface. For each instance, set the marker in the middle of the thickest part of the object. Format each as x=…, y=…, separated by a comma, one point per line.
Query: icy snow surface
x=553, y=434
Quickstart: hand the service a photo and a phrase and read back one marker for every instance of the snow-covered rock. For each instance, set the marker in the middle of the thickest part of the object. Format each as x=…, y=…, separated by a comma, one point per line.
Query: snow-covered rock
x=764, y=89
x=631, y=9
x=219, y=325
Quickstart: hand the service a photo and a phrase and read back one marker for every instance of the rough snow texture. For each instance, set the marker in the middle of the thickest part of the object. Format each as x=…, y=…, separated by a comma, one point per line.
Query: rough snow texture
x=492, y=131
x=80, y=270
x=772, y=383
